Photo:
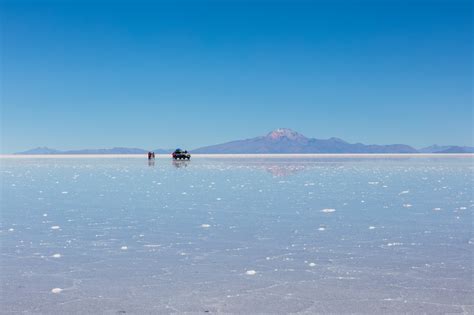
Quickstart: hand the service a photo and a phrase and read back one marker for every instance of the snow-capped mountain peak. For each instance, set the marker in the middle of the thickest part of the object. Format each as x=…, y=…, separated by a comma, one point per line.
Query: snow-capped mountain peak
x=281, y=133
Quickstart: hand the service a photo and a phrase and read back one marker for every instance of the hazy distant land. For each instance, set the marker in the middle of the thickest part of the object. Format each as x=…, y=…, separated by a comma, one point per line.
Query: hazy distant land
x=279, y=141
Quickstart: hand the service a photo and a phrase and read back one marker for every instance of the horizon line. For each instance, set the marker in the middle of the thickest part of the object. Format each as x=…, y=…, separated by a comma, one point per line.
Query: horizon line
x=246, y=155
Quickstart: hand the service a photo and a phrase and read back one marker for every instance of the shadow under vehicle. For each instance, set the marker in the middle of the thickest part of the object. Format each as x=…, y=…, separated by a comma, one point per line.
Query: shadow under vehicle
x=179, y=154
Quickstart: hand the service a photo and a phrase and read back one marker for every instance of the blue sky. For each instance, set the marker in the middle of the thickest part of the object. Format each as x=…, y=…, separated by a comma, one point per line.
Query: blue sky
x=89, y=74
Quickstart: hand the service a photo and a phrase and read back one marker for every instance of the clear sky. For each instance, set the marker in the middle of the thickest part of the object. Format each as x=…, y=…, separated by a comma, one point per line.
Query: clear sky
x=90, y=74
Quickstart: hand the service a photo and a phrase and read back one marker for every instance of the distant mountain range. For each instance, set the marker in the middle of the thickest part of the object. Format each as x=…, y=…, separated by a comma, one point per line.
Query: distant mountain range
x=278, y=141
x=45, y=150
x=289, y=141
x=446, y=149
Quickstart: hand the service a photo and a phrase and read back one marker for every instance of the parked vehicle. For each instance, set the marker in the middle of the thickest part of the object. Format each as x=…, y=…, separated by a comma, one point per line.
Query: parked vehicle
x=179, y=154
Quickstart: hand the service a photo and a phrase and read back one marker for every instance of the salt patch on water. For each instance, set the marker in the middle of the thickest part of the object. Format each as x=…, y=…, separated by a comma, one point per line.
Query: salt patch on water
x=56, y=290
x=404, y=192
x=322, y=229
x=124, y=248
x=436, y=209
x=395, y=244
x=55, y=227
x=205, y=225
x=328, y=210
x=56, y=256
x=312, y=264
x=64, y=192
x=250, y=272
x=407, y=205
x=371, y=227
x=11, y=229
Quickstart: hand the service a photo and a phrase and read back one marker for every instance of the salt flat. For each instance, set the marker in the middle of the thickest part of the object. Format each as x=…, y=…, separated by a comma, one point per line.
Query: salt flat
x=259, y=155
x=237, y=234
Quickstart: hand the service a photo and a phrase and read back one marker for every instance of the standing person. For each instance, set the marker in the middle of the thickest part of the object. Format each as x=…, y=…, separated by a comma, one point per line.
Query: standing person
x=149, y=155
x=153, y=155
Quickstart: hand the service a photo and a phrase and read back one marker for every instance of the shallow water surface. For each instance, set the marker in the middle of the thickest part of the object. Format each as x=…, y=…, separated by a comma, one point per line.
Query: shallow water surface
x=309, y=235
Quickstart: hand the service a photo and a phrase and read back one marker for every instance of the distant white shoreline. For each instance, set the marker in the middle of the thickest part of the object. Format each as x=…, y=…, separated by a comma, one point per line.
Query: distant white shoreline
x=245, y=156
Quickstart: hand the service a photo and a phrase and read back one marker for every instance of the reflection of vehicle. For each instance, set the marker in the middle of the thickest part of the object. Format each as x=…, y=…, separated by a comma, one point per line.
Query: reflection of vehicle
x=180, y=163
x=179, y=154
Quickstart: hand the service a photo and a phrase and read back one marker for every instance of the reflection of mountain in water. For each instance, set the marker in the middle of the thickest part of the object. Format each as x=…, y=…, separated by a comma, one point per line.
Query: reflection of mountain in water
x=292, y=167
x=282, y=170
x=281, y=167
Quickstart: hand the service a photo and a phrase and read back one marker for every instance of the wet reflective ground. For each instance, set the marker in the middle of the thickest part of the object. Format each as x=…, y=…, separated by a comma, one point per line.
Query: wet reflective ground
x=122, y=235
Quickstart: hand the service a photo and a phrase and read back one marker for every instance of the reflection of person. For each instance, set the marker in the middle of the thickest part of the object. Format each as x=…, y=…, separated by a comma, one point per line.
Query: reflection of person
x=151, y=162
